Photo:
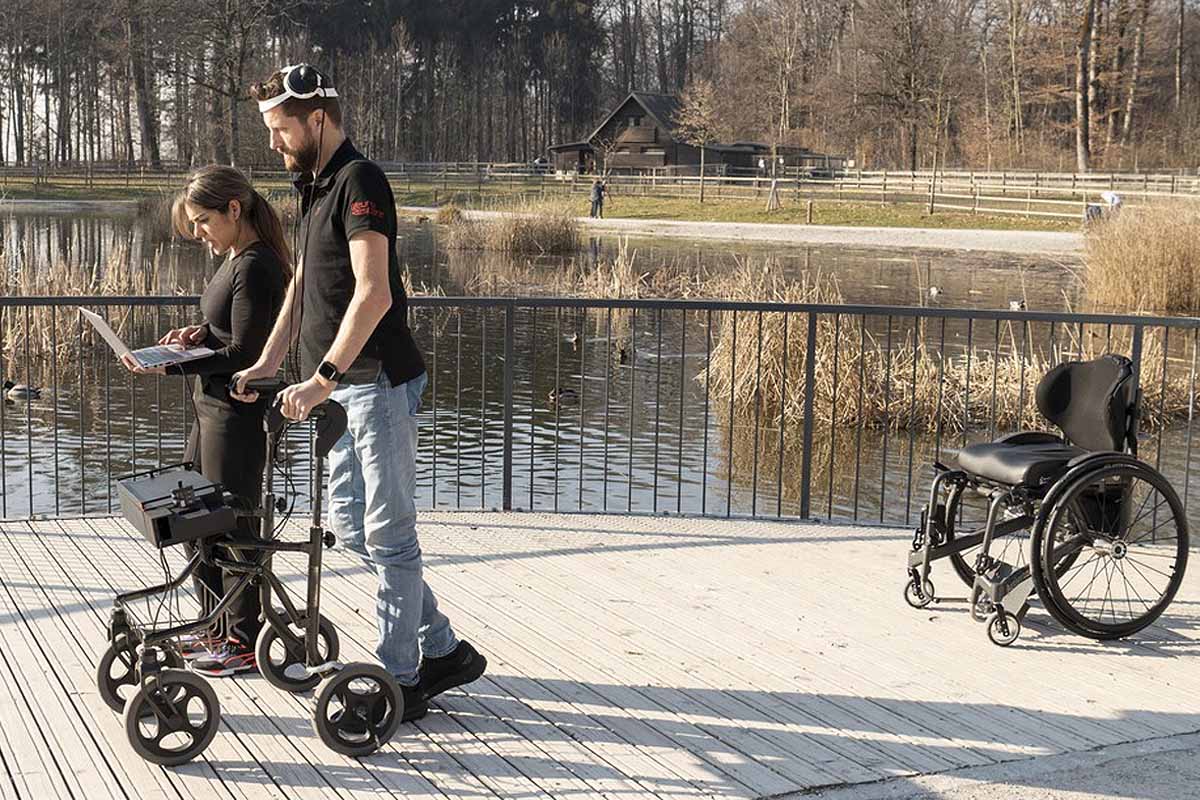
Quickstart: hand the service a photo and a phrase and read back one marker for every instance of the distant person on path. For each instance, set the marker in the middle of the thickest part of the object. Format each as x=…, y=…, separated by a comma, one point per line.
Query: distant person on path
x=219, y=207
x=1113, y=200
x=348, y=308
x=598, y=192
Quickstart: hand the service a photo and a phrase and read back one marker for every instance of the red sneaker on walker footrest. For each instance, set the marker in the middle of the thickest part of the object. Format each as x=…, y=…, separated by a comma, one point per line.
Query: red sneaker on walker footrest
x=232, y=658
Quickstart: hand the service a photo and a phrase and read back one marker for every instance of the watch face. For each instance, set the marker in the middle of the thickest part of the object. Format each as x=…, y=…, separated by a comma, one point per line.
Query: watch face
x=328, y=371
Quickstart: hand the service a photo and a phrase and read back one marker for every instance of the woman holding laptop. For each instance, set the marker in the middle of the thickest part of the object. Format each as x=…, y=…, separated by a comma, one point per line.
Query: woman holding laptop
x=219, y=207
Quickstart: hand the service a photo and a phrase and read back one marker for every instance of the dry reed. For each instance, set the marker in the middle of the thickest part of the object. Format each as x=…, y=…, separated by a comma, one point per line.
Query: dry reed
x=1145, y=260
x=903, y=383
x=518, y=228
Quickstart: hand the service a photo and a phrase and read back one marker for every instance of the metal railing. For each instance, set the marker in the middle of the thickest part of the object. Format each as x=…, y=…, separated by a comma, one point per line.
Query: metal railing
x=621, y=406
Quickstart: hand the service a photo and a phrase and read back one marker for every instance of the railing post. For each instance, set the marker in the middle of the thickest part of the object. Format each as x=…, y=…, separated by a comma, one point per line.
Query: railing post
x=509, y=328
x=1136, y=357
x=810, y=365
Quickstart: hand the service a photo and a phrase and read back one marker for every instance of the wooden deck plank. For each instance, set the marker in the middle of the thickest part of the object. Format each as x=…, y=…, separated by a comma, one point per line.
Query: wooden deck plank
x=1096, y=729
x=39, y=658
x=356, y=599
x=76, y=654
x=553, y=630
x=630, y=631
x=722, y=702
x=88, y=573
x=537, y=760
x=677, y=778
x=630, y=624
x=630, y=657
x=813, y=666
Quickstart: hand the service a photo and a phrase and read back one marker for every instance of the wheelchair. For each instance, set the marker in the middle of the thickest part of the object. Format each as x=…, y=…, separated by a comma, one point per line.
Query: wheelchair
x=1101, y=538
x=170, y=714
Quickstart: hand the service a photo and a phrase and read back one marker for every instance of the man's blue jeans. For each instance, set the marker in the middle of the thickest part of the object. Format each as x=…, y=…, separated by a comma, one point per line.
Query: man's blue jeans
x=372, y=484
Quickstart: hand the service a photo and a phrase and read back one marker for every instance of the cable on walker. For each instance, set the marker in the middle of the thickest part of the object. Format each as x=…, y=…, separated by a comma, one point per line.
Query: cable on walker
x=170, y=714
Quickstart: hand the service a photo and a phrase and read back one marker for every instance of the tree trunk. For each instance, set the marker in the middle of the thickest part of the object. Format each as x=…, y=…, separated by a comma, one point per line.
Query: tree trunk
x=1139, y=46
x=143, y=85
x=1179, y=63
x=701, y=172
x=18, y=109
x=1095, y=98
x=1083, y=46
x=1121, y=15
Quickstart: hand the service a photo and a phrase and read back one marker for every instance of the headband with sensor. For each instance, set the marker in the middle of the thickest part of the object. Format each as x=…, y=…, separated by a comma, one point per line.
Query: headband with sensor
x=300, y=82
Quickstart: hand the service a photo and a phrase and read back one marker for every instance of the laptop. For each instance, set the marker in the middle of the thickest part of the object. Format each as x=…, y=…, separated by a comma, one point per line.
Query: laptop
x=147, y=357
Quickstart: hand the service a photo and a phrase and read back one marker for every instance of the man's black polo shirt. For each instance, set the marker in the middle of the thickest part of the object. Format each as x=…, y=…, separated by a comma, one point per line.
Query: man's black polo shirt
x=350, y=195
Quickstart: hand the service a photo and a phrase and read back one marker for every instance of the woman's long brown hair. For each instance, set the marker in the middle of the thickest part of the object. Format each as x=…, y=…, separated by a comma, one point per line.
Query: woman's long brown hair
x=213, y=187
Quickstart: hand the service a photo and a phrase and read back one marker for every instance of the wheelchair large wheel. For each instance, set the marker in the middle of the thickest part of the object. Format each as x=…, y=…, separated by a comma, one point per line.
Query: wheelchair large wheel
x=173, y=718
x=1124, y=529
x=285, y=669
x=116, y=674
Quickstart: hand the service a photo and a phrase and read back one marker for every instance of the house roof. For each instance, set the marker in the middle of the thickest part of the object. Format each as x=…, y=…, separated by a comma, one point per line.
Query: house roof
x=571, y=146
x=662, y=108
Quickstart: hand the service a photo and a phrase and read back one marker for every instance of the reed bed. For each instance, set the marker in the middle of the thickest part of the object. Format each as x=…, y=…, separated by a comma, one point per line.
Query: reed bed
x=1145, y=260
x=520, y=228
x=905, y=383
x=44, y=334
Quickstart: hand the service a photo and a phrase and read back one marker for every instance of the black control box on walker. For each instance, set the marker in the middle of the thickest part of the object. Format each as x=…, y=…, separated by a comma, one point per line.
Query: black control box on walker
x=175, y=505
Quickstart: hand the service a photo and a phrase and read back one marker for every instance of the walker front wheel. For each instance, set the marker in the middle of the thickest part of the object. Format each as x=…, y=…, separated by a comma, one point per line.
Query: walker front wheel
x=358, y=710
x=172, y=717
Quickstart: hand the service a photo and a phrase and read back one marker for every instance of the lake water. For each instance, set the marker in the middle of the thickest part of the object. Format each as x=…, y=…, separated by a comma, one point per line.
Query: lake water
x=637, y=432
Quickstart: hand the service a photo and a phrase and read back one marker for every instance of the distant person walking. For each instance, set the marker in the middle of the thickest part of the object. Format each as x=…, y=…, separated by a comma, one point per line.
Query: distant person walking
x=598, y=192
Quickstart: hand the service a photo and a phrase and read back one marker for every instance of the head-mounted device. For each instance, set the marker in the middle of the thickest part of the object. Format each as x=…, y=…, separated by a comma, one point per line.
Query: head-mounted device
x=300, y=82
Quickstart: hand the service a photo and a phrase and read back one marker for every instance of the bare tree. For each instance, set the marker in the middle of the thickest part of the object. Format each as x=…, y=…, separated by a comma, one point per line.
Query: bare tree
x=1083, y=50
x=696, y=121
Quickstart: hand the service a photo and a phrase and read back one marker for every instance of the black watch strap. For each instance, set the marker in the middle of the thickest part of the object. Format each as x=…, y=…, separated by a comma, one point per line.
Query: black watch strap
x=329, y=371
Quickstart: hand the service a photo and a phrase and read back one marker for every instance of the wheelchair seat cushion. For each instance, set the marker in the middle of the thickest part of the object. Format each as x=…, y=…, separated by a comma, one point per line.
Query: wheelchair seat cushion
x=1024, y=464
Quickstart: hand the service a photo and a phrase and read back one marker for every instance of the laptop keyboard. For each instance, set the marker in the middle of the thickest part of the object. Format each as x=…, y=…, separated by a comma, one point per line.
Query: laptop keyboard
x=156, y=356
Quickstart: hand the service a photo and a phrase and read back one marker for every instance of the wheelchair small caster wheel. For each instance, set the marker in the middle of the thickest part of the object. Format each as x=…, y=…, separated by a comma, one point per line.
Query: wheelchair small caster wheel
x=1003, y=628
x=285, y=669
x=918, y=598
x=116, y=674
x=981, y=608
x=358, y=710
x=172, y=717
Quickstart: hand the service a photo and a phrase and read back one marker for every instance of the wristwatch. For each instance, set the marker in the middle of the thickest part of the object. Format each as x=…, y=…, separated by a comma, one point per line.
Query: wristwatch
x=329, y=371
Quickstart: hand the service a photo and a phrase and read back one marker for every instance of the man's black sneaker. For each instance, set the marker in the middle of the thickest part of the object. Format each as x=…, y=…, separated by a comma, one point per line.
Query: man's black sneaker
x=463, y=665
x=232, y=658
x=415, y=707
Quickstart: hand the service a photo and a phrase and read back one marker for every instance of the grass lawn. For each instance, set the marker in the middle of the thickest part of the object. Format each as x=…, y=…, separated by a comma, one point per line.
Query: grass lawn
x=825, y=212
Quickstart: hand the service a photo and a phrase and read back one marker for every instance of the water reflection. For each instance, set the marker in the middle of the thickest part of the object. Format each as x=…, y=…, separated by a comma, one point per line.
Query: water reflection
x=86, y=237
x=608, y=410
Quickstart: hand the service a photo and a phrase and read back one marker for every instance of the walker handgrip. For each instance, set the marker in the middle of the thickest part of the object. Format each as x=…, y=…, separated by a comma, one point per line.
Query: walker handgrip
x=268, y=386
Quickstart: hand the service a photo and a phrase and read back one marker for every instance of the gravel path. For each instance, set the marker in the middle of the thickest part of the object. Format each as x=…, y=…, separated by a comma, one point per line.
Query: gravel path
x=1021, y=242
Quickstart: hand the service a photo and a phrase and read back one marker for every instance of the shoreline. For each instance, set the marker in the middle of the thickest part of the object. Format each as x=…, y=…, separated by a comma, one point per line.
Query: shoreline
x=943, y=239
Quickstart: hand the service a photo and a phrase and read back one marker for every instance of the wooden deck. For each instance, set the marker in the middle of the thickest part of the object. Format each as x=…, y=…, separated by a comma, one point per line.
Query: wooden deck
x=630, y=658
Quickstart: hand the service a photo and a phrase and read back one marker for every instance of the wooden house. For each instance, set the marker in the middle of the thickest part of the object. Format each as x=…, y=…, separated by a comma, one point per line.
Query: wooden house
x=639, y=136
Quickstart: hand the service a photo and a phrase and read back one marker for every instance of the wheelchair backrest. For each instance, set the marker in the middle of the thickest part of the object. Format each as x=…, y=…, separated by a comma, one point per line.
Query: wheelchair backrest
x=1092, y=402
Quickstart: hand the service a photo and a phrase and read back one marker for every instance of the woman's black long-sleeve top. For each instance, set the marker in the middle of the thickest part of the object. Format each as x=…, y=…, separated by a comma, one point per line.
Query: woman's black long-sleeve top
x=239, y=306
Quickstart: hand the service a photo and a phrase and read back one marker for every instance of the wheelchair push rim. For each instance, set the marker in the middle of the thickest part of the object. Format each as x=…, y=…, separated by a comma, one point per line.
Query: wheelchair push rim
x=1127, y=530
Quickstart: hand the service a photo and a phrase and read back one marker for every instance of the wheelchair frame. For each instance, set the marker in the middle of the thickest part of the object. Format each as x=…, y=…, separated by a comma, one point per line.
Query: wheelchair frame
x=1000, y=592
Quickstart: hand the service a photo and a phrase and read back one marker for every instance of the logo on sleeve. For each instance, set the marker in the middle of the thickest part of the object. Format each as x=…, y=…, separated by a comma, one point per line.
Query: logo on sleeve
x=365, y=208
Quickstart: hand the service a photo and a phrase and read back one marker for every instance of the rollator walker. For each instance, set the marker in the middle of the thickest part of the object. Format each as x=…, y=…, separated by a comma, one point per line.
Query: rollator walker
x=1100, y=537
x=171, y=715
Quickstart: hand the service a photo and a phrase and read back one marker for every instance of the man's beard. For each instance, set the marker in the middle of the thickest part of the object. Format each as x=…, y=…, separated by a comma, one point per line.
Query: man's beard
x=304, y=159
